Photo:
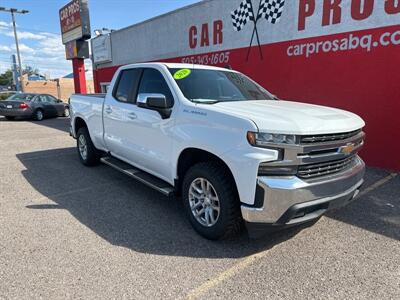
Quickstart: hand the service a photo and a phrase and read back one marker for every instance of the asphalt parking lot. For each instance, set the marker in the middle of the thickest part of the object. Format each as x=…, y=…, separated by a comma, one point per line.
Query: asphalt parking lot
x=67, y=231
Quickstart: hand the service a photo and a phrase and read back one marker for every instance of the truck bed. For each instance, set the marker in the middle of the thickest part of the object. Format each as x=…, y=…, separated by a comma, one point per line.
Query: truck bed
x=98, y=95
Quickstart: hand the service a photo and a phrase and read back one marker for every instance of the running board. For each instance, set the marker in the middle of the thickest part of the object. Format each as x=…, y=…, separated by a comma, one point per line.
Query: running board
x=142, y=176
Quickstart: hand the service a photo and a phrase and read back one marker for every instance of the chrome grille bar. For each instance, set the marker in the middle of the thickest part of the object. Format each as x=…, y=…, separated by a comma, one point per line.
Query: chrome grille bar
x=310, y=139
x=321, y=169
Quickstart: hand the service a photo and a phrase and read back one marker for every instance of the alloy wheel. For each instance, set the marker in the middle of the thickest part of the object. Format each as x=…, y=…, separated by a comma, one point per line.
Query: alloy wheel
x=39, y=115
x=82, y=144
x=204, y=202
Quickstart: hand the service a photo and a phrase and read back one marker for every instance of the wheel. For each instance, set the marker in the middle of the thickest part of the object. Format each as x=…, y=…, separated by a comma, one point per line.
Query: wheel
x=66, y=112
x=10, y=118
x=38, y=115
x=88, y=154
x=211, y=201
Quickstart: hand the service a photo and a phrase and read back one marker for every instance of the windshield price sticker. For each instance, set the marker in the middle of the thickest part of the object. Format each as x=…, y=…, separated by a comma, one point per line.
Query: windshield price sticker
x=183, y=73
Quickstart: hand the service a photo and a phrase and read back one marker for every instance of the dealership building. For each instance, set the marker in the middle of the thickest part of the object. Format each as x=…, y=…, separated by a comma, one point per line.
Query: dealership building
x=344, y=54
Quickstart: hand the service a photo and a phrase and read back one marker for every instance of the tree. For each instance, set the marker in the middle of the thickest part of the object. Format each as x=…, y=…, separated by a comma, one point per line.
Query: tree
x=30, y=70
x=6, y=78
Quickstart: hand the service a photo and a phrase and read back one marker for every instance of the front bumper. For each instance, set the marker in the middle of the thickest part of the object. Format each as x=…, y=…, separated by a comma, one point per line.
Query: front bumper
x=291, y=200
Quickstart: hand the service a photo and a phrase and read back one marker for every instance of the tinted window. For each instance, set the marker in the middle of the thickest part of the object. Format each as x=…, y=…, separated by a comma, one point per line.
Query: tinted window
x=217, y=85
x=51, y=99
x=24, y=97
x=43, y=98
x=154, y=83
x=127, y=85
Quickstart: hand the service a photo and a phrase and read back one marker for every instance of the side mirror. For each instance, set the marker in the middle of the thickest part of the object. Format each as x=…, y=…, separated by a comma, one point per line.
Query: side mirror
x=157, y=102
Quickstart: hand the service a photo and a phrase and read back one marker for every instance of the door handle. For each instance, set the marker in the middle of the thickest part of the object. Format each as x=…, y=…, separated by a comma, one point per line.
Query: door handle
x=108, y=110
x=132, y=116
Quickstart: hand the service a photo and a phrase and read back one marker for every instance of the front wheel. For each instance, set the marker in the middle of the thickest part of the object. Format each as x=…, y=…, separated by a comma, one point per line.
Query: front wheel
x=211, y=201
x=66, y=112
x=88, y=154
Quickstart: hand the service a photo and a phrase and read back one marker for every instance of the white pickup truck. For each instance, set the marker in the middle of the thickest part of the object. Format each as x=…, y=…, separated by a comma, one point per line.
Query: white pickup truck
x=230, y=149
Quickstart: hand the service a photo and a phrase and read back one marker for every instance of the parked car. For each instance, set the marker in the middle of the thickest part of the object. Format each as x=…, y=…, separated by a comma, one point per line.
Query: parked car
x=222, y=142
x=30, y=105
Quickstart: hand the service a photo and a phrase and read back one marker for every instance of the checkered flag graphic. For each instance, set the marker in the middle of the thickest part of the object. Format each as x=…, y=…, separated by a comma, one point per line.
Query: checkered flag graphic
x=242, y=15
x=271, y=10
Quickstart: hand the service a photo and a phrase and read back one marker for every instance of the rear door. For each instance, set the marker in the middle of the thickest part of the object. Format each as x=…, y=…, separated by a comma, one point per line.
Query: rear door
x=119, y=114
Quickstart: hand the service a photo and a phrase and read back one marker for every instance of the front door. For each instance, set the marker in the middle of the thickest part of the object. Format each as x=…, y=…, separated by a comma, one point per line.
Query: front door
x=58, y=107
x=48, y=108
x=139, y=135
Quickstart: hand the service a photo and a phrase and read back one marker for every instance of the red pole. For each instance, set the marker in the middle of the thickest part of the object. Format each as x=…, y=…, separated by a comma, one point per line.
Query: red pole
x=78, y=67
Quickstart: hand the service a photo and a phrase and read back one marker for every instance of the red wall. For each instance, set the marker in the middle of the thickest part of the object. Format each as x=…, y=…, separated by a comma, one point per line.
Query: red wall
x=366, y=83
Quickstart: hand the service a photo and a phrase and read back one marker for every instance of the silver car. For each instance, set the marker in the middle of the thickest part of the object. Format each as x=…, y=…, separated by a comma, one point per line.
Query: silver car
x=36, y=106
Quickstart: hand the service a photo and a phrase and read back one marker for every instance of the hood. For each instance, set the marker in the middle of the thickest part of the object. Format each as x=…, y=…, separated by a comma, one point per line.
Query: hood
x=292, y=117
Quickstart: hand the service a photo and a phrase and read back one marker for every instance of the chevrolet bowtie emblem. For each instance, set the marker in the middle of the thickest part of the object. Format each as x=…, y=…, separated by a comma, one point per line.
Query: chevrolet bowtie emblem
x=348, y=149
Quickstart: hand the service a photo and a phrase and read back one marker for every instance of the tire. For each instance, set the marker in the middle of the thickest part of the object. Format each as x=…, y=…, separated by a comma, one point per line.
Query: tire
x=10, y=118
x=88, y=154
x=227, y=221
x=66, y=112
x=38, y=115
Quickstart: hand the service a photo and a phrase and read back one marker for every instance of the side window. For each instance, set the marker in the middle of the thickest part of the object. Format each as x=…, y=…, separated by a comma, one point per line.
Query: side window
x=51, y=99
x=43, y=99
x=128, y=81
x=154, y=83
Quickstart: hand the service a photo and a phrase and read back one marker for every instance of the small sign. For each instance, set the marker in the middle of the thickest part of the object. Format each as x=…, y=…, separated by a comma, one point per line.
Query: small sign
x=101, y=49
x=77, y=49
x=182, y=73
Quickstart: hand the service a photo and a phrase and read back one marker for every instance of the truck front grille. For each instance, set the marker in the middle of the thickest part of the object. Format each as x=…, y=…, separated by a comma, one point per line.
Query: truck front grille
x=326, y=168
x=310, y=139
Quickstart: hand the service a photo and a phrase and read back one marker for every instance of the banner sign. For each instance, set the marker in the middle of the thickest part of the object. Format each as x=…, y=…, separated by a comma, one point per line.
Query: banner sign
x=219, y=25
x=74, y=21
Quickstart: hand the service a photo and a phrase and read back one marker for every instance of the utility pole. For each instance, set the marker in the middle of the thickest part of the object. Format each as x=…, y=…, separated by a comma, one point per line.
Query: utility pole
x=14, y=11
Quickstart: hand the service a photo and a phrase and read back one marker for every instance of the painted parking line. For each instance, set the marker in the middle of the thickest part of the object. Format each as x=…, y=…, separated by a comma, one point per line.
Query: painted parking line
x=244, y=263
x=377, y=184
x=229, y=273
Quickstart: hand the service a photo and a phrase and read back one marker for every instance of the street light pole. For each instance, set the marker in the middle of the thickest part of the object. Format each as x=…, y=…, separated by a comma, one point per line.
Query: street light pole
x=13, y=11
x=21, y=80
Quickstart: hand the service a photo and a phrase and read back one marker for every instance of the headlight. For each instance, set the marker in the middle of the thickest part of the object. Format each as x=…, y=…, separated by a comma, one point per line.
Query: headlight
x=262, y=139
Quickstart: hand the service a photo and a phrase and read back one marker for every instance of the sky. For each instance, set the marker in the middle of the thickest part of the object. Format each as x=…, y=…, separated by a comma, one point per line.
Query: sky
x=39, y=30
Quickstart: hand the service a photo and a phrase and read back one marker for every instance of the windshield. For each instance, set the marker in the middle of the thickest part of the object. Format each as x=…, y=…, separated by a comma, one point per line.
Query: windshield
x=24, y=97
x=202, y=85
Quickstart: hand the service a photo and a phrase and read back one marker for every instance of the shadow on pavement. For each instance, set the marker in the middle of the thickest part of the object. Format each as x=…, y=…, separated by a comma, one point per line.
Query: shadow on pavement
x=60, y=123
x=124, y=212
x=377, y=211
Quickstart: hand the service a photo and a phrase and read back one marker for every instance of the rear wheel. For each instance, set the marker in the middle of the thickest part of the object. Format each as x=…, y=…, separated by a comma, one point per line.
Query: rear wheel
x=10, y=118
x=88, y=154
x=38, y=115
x=211, y=201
